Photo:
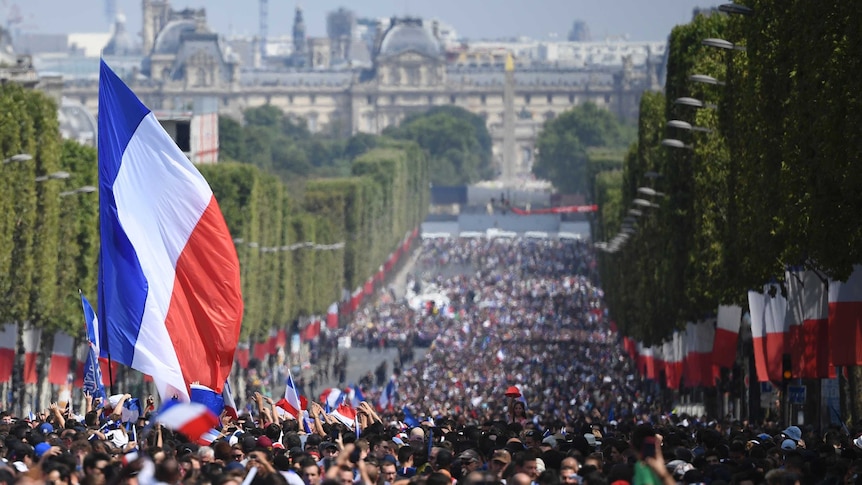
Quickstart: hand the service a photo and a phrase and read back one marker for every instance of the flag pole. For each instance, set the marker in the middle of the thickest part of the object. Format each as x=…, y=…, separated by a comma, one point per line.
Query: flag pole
x=110, y=366
x=110, y=374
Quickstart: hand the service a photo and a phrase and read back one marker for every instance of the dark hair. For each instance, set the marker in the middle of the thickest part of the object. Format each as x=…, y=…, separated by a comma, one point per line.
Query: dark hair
x=438, y=478
x=444, y=459
x=272, y=431
x=640, y=433
x=404, y=453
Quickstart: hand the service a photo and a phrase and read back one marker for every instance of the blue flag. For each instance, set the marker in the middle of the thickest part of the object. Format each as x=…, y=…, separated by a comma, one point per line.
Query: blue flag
x=93, y=383
x=409, y=419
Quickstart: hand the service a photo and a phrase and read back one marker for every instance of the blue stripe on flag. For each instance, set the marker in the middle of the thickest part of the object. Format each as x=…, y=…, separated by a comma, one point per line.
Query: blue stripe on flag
x=122, y=286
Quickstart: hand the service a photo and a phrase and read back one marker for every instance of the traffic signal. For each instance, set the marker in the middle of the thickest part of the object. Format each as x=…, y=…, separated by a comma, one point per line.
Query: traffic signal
x=786, y=367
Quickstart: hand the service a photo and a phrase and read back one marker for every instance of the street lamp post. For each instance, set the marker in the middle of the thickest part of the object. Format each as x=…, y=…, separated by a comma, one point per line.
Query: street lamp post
x=53, y=176
x=87, y=189
x=693, y=102
x=650, y=192
x=21, y=157
x=722, y=44
x=685, y=125
x=732, y=8
x=703, y=78
x=674, y=143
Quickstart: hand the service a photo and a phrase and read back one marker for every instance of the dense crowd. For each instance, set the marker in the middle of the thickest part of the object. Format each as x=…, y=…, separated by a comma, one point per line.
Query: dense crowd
x=525, y=383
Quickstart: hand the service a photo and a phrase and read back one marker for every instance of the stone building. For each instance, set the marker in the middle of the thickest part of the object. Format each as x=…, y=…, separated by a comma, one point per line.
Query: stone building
x=410, y=71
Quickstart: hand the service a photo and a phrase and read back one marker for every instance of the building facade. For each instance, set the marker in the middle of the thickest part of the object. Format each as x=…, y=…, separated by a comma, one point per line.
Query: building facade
x=410, y=71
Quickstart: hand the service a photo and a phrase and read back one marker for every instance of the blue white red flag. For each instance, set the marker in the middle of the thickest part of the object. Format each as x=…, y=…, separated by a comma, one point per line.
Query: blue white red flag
x=345, y=414
x=387, y=397
x=170, y=304
x=409, y=419
x=229, y=403
x=306, y=423
x=355, y=395
x=214, y=401
x=189, y=418
x=291, y=402
x=331, y=398
x=93, y=383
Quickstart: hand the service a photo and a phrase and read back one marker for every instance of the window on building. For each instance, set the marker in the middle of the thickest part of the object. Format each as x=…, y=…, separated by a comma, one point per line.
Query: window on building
x=414, y=76
x=184, y=136
x=369, y=100
x=571, y=99
x=527, y=99
x=550, y=99
x=430, y=99
x=312, y=99
x=452, y=99
x=607, y=98
x=483, y=99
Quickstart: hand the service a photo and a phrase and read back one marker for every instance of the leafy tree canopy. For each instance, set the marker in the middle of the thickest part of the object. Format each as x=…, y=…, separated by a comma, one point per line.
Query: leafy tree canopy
x=566, y=142
x=457, y=142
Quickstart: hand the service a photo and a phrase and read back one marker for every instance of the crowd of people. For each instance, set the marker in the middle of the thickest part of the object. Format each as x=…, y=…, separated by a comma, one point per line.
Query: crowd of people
x=525, y=383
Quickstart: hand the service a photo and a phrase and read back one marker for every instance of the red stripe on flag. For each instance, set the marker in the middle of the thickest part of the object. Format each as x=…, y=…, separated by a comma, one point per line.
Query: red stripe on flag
x=30, y=374
x=59, y=370
x=724, y=348
x=7, y=362
x=206, y=305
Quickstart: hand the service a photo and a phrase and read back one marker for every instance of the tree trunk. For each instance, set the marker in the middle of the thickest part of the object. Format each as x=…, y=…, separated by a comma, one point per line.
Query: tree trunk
x=855, y=377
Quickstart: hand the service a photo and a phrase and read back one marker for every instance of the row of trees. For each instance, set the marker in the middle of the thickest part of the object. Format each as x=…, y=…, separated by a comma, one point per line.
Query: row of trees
x=769, y=186
x=49, y=242
x=573, y=147
x=370, y=212
x=770, y=182
x=457, y=143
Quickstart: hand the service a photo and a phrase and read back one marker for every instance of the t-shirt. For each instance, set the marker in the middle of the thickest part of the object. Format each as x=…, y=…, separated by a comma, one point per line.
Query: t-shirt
x=644, y=475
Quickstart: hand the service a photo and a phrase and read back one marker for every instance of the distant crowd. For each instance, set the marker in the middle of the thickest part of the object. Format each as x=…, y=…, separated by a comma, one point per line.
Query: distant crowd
x=524, y=384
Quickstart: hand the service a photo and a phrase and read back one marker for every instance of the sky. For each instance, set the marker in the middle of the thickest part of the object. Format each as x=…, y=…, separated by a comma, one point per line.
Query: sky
x=640, y=20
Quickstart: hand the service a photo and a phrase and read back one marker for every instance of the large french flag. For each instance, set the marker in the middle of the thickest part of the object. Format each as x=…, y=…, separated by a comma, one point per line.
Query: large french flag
x=169, y=289
x=845, y=319
x=726, y=335
x=757, y=310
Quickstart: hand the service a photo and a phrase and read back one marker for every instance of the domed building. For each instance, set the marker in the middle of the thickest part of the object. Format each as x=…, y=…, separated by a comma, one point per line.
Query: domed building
x=409, y=71
x=121, y=43
x=181, y=52
x=409, y=55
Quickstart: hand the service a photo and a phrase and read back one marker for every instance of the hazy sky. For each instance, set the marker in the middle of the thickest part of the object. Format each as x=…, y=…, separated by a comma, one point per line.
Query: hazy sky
x=639, y=19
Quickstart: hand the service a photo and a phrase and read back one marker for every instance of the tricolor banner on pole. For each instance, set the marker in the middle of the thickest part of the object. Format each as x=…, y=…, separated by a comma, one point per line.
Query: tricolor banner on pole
x=169, y=289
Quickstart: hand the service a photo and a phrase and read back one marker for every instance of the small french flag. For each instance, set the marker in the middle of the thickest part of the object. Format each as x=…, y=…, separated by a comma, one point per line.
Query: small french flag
x=208, y=437
x=229, y=403
x=345, y=414
x=291, y=402
x=387, y=398
x=189, y=418
x=355, y=395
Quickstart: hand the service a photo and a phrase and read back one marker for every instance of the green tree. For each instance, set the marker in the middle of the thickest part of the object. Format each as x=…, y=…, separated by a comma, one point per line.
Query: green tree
x=457, y=142
x=231, y=138
x=565, y=141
